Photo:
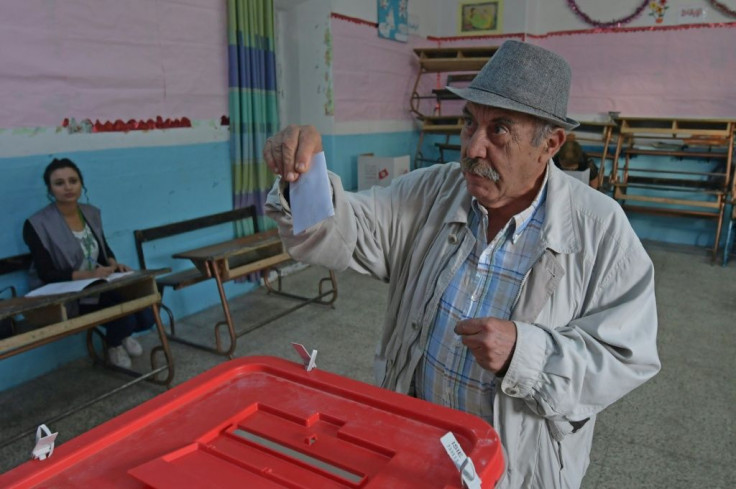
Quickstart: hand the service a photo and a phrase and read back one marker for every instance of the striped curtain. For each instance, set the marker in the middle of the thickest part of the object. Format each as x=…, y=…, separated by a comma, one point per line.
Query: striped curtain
x=253, y=100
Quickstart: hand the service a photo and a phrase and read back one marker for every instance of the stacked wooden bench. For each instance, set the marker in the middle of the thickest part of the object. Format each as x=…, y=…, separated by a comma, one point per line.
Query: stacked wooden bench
x=460, y=64
x=690, y=176
x=603, y=136
x=259, y=252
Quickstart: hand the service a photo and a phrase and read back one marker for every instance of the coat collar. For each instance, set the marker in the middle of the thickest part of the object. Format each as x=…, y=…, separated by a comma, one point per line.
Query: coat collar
x=558, y=231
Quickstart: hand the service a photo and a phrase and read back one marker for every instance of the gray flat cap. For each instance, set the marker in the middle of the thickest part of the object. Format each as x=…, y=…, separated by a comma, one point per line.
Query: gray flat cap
x=523, y=78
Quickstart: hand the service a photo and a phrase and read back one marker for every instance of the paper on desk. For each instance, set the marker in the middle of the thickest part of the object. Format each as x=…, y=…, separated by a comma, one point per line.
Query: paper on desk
x=311, y=197
x=55, y=288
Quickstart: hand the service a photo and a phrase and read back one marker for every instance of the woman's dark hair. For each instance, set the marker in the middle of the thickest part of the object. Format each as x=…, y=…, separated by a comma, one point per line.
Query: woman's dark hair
x=56, y=164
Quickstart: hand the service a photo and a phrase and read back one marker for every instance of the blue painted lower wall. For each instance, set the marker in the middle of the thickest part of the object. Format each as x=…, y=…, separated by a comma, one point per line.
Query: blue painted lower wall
x=342, y=151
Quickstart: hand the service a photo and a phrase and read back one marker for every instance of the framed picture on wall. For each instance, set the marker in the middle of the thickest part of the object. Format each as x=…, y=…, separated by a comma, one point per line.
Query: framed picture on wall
x=480, y=17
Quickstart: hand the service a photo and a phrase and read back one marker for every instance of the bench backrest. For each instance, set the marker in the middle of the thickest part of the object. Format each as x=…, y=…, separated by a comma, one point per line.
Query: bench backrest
x=180, y=227
x=15, y=263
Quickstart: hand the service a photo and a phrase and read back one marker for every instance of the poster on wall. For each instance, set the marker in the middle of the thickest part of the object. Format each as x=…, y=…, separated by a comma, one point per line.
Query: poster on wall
x=393, y=20
x=480, y=17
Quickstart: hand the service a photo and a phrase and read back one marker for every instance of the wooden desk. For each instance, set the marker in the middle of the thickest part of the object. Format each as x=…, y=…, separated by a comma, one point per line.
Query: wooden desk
x=237, y=258
x=47, y=320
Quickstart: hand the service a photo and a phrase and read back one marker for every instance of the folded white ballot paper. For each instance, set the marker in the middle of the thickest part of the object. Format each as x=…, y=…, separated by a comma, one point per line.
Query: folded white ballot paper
x=310, y=196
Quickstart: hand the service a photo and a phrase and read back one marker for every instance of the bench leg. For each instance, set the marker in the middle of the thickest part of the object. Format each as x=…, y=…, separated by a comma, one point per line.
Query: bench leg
x=163, y=348
x=96, y=359
x=729, y=242
x=228, y=318
x=324, y=297
x=719, y=227
x=228, y=323
x=170, y=314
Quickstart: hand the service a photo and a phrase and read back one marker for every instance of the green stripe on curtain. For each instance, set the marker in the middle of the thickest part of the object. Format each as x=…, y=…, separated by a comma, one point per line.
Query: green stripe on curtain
x=253, y=100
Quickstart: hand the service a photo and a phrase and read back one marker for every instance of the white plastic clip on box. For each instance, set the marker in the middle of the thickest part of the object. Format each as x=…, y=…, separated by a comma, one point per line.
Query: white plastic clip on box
x=44, y=443
x=463, y=463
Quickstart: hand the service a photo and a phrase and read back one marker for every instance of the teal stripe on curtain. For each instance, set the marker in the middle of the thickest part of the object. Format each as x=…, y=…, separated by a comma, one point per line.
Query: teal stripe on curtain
x=253, y=100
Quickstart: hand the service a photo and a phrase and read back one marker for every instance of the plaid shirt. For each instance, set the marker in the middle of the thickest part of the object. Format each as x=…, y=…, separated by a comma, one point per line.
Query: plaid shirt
x=486, y=285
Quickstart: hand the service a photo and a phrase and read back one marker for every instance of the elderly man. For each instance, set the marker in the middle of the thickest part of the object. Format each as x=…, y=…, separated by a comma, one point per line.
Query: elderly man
x=517, y=293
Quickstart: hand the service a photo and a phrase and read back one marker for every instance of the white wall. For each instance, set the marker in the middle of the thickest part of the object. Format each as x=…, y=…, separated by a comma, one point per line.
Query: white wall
x=304, y=75
x=303, y=52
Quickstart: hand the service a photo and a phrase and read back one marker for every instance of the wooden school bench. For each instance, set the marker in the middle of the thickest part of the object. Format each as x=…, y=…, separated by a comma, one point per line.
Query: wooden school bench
x=226, y=261
x=45, y=320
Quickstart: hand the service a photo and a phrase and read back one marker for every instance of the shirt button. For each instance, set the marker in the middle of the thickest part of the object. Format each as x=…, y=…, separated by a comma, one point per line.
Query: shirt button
x=415, y=326
x=452, y=239
x=512, y=391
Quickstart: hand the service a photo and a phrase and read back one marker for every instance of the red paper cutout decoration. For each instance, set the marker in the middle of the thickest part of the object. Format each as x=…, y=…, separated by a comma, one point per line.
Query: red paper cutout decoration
x=119, y=125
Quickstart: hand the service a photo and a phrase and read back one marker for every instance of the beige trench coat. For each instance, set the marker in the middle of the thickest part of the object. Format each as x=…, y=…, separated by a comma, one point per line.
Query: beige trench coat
x=585, y=316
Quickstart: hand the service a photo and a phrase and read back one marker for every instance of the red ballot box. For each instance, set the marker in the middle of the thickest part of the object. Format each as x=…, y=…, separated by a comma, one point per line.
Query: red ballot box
x=267, y=423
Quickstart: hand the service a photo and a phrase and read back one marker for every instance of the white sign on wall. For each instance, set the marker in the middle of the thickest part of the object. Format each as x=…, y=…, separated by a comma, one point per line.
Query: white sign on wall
x=691, y=13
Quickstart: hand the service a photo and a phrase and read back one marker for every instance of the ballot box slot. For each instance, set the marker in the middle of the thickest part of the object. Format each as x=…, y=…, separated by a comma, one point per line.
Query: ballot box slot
x=292, y=454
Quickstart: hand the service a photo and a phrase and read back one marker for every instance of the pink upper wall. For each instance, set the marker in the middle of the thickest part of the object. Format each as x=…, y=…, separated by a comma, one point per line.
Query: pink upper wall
x=111, y=59
x=690, y=72
x=372, y=77
x=676, y=72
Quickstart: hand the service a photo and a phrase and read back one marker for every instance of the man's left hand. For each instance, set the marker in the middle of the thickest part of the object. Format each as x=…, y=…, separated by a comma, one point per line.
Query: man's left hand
x=490, y=340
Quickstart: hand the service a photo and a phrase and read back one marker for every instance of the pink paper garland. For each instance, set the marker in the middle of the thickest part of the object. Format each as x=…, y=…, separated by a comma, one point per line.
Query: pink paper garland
x=612, y=23
x=722, y=8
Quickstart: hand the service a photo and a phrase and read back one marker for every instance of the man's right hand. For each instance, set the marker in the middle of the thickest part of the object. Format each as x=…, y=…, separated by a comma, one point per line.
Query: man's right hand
x=289, y=152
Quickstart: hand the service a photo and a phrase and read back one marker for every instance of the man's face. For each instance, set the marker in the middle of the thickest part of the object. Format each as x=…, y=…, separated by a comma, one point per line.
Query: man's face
x=508, y=166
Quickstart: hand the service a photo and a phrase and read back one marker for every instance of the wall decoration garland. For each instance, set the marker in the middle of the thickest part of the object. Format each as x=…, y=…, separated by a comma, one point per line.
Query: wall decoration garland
x=611, y=23
x=722, y=8
x=87, y=126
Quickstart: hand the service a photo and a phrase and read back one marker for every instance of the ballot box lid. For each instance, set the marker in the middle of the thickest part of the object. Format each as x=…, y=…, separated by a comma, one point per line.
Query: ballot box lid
x=267, y=423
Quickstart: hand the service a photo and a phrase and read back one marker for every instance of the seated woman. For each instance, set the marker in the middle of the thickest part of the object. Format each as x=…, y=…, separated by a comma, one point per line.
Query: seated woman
x=572, y=160
x=67, y=243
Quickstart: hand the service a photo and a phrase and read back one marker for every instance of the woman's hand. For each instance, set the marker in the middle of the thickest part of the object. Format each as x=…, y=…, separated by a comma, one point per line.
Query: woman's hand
x=102, y=272
x=99, y=272
x=119, y=267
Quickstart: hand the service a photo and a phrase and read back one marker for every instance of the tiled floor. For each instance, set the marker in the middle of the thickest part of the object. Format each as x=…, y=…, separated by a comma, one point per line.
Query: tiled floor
x=677, y=431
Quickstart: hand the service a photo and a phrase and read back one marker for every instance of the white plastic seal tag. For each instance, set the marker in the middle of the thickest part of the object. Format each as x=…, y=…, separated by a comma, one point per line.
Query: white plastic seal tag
x=470, y=479
x=307, y=359
x=44, y=443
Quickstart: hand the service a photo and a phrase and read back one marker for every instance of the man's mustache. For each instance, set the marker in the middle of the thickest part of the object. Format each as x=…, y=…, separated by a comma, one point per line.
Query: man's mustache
x=476, y=167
